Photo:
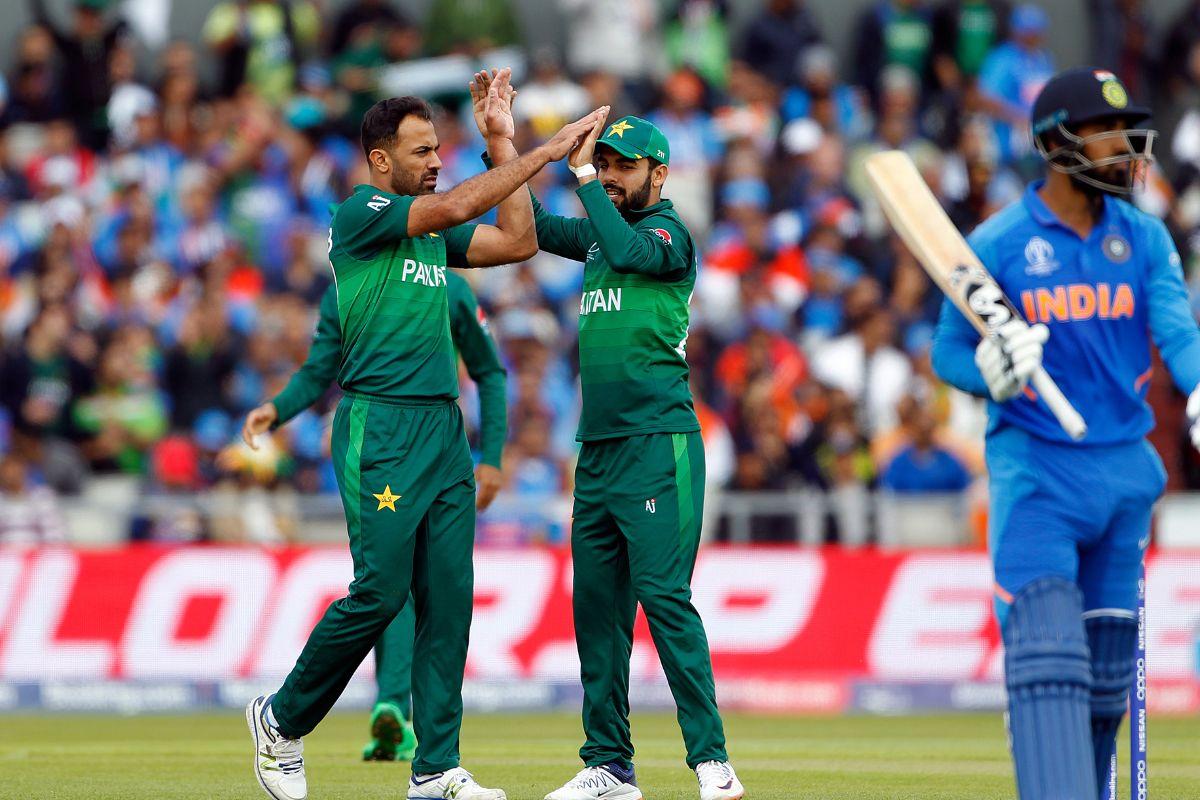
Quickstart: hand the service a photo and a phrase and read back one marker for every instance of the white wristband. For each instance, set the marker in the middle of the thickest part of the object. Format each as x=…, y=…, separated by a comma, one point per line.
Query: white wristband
x=585, y=171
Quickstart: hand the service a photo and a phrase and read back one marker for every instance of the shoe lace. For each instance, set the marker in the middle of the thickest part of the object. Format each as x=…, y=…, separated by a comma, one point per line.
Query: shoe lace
x=714, y=772
x=289, y=755
x=592, y=778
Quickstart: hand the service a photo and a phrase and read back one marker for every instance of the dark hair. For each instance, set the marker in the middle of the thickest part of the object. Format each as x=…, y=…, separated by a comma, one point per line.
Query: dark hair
x=381, y=120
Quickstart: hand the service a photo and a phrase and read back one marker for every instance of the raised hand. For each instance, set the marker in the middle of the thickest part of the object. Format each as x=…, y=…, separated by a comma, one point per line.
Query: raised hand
x=492, y=95
x=569, y=137
x=583, y=152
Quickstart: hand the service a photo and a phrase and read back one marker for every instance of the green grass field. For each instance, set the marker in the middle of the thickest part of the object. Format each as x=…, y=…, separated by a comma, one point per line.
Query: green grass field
x=778, y=758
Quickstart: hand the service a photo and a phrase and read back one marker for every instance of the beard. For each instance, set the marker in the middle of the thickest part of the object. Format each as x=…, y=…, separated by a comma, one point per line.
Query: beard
x=1117, y=175
x=411, y=183
x=633, y=202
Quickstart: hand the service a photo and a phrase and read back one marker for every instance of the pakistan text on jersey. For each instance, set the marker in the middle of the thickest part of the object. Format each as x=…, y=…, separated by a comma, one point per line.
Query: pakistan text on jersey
x=420, y=272
x=1077, y=302
x=599, y=300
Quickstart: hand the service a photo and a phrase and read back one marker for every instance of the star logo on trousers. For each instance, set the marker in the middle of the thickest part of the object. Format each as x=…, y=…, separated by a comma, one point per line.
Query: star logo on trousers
x=387, y=499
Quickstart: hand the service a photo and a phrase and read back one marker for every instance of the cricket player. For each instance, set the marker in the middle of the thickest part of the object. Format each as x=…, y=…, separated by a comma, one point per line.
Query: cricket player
x=401, y=457
x=1070, y=522
x=392, y=736
x=639, y=482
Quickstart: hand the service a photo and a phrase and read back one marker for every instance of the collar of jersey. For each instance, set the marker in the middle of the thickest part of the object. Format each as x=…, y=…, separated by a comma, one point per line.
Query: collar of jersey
x=661, y=205
x=1042, y=214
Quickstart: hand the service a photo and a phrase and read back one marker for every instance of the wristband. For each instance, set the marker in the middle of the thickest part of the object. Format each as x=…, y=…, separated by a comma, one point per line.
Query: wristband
x=585, y=171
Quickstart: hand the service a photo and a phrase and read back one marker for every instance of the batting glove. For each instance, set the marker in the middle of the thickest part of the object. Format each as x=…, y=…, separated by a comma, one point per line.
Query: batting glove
x=1193, y=415
x=1010, y=356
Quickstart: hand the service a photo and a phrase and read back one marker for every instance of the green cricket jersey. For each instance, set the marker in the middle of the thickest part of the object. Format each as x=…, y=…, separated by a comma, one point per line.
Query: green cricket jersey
x=639, y=272
x=468, y=331
x=391, y=299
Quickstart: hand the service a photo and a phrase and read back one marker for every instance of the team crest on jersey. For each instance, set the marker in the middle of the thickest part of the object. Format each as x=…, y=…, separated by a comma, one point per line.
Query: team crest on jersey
x=593, y=251
x=1040, y=257
x=665, y=235
x=482, y=317
x=1116, y=248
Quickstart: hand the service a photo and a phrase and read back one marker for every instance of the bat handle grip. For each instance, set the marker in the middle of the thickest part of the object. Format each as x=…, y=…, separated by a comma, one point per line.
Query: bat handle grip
x=1058, y=404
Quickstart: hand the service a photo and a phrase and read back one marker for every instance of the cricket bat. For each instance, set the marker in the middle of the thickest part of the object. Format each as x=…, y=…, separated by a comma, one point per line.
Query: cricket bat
x=930, y=235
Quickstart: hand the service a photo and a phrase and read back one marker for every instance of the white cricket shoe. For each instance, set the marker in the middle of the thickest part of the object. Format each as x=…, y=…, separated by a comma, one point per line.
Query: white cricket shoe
x=718, y=781
x=278, y=762
x=453, y=784
x=596, y=783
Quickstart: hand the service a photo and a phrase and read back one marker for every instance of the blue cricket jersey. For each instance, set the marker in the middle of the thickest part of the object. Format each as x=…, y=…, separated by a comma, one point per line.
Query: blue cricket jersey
x=1103, y=298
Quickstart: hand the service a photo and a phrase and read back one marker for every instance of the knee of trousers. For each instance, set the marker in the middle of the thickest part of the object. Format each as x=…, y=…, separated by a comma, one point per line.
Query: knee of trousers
x=384, y=605
x=1044, y=640
x=663, y=603
x=1111, y=640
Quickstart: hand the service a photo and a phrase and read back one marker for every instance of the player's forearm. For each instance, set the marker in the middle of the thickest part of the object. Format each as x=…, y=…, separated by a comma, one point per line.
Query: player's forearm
x=493, y=416
x=619, y=243
x=954, y=362
x=474, y=196
x=305, y=388
x=514, y=215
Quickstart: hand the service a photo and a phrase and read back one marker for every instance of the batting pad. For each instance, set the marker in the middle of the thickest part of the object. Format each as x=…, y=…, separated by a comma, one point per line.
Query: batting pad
x=1111, y=639
x=1049, y=677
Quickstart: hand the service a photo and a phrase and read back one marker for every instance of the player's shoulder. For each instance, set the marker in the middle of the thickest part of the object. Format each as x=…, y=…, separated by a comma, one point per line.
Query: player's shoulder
x=666, y=224
x=1137, y=220
x=365, y=202
x=1000, y=225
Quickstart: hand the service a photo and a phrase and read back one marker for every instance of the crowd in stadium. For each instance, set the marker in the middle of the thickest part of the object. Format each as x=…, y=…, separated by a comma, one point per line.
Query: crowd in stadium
x=164, y=214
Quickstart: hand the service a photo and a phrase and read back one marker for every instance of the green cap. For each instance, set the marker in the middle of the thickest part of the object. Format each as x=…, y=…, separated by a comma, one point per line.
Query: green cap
x=634, y=137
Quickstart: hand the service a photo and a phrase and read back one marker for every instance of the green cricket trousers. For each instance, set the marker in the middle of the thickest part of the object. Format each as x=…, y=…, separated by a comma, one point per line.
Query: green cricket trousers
x=393, y=661
x=638, y=505
x=405, y=475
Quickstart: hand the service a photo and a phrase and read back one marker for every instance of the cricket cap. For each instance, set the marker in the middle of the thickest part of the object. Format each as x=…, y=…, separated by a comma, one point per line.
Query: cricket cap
x=634, y=137
x=1081, y=95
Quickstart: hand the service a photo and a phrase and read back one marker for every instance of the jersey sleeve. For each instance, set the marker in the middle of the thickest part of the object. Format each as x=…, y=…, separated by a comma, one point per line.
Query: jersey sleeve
x=320, y=368
x=569, y=237
x=458, y=241
x=954, y=343
x=660, y=250
x=367, y=222
x=468, y=328
x=1171, y=322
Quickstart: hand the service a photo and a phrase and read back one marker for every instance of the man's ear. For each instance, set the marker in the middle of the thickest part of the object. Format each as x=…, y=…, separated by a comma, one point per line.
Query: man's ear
x=380, y=161
x=659, y=176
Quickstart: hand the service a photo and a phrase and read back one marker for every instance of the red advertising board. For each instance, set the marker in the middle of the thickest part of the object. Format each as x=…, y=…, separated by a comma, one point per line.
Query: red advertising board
x=797, y=625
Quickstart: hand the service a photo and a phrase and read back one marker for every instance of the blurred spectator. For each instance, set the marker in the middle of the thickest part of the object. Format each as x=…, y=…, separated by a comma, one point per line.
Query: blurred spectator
x=29, y=512
x=84, y=54
x=893, y=33
x=1120, y=41
x=697, y=36
x=777, y=38
x=923, y=466
x=197, y=369
x=33, y=94
x=360, y=17
x=820, y=97
x=1183, y=33
x=696, y=148
x=471, y=26
x=550, y=99
x=613, y=36
x=964, y=32
x=867, y=367
x=261, y=43
x=41, y=379
x=1011, y=78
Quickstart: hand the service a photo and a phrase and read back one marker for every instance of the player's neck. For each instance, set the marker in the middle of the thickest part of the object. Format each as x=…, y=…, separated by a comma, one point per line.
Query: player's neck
x=1077, y=210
